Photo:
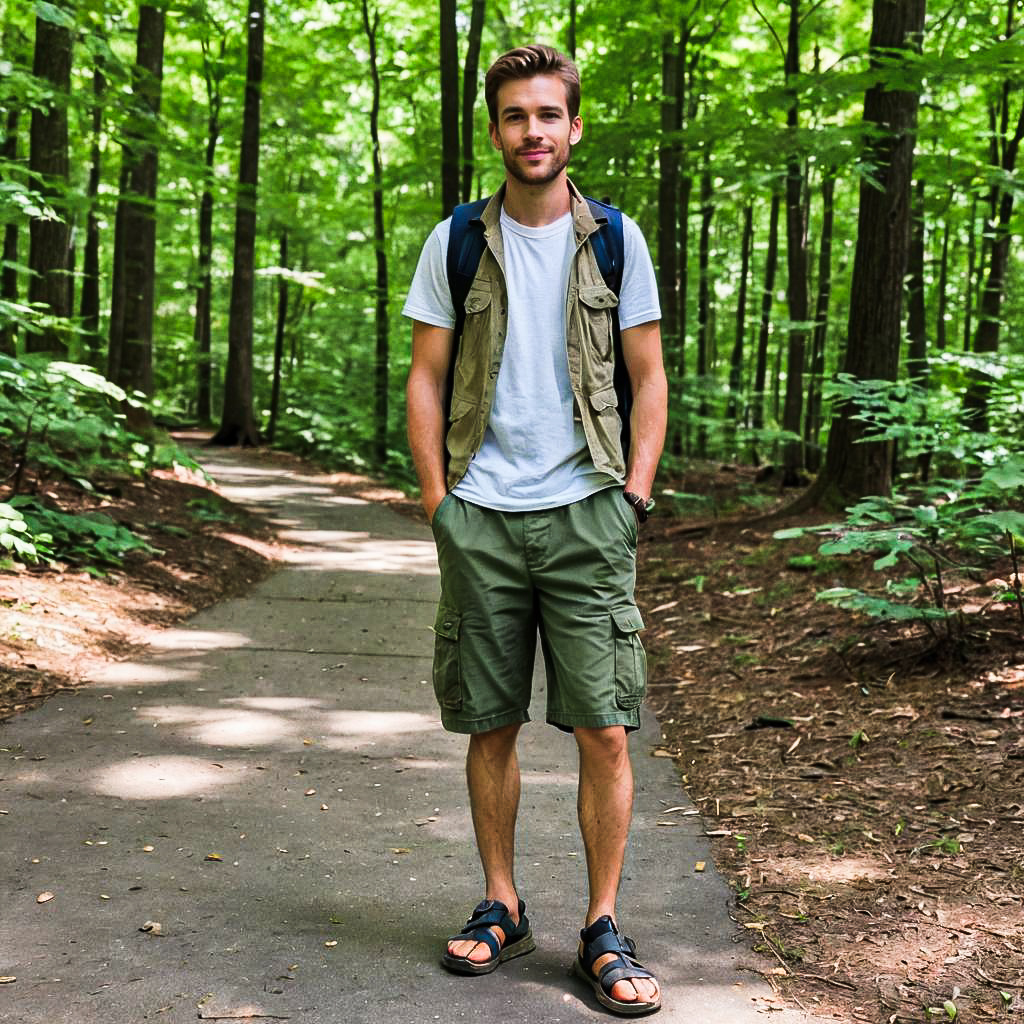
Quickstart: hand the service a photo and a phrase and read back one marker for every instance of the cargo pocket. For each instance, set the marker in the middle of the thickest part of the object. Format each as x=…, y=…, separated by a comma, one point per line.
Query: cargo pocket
x=447, y=661
x=597, y=305
x=630, y=660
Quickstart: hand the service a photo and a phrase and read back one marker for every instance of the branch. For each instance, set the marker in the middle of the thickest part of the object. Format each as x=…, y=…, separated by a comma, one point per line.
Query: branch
x=820, y=3
x=771, y=29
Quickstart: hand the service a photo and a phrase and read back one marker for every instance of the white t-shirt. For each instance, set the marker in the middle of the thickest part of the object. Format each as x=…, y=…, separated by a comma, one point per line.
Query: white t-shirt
x=534, y=454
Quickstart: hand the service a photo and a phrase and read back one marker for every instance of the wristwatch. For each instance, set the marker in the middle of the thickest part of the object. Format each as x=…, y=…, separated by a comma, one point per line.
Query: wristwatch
x=641, y=507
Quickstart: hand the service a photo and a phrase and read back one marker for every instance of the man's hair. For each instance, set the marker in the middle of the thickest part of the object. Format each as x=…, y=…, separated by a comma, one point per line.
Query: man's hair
x=527, y=62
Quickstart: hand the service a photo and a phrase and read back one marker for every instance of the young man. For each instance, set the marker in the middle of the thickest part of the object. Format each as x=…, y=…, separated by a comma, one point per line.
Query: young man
x=535, y=507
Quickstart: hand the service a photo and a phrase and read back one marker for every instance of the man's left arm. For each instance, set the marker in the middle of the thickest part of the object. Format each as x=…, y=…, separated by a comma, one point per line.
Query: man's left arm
x=641, y=350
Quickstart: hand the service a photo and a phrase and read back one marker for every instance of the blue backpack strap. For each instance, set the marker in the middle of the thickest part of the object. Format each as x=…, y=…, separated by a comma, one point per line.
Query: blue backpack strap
x=610, y=251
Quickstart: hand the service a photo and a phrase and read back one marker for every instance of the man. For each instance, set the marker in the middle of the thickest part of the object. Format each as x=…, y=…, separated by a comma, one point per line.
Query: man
x=535, y=509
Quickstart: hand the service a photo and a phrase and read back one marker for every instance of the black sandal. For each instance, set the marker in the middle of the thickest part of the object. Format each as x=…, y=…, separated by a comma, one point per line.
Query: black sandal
x=490, y=914
x=601, y=938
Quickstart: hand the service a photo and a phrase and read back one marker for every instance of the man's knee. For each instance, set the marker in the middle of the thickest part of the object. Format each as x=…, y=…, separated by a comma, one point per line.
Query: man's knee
x=609, y=741
x=495, y=741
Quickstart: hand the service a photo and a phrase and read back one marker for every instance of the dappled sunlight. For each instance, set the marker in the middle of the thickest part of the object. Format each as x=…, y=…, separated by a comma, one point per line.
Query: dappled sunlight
x=224, y=727
x=162, y=778
x=276, y=703
x=135, y=673
x=540, y=777
x=197, y=640
x=383, y=556
x=378, y=723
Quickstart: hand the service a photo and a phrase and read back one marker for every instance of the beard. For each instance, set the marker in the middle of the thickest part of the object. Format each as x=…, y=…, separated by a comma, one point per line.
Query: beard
x=559, y=162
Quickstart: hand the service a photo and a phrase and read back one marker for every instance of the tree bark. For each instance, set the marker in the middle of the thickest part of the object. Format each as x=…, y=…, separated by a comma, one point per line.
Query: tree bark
x=704, y=331
x=204, y=287
x=668, y=196
x=238, y=419
x=771, y=263
x=48, y=165
x=8, y=275
x=796, y=262
x=854, y=468
x=380, y=377
x=917, y=329
x=279, y=334
x=942, y=304
x=812, y=421
x=469, y=90
x=736, y=358
x=89, y=307
x=570, y=45
x=449, y=105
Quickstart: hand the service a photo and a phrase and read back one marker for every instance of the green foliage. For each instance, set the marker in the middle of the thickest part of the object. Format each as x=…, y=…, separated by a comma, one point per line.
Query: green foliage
x=19, y=540
x=90, y=540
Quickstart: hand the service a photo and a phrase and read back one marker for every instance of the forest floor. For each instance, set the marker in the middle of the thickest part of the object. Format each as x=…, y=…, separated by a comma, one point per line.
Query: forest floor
x=864, y=790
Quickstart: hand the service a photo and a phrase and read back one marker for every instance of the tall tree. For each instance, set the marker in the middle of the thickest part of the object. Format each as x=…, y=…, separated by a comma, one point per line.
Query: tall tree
x=213, y=76
x=469, y=90
x=854, y=467
x=48, y=165
x=131, y=340
x=238, y=419
x=812, y=423
x=668, y=194
x=8, y=274
x=380, y=377
x=736, y=358
x=449, y=106
x=89, y=307
x=771, y=263
x=1004, y=149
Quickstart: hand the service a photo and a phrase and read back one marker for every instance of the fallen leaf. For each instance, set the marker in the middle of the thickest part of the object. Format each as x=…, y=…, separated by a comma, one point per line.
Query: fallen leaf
x=8, y=980
x=148, y=849
x=308, y=743
x=662, y=752
x=400, y=849
x=310, y=792
x=666, y=823
x=331, y=943
x=44, y=897
x=324, y=807
x=699, y=866
x=804, y=837
x=87, y=721
x=426, y=821
x=152, y=928
x=213, y=856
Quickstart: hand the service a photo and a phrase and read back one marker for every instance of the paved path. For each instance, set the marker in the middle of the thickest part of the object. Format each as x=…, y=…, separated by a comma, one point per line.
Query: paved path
x=270, y=784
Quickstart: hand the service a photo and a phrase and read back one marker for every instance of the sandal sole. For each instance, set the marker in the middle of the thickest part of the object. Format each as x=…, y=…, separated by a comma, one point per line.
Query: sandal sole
x=623, y=1009
x=463, y=965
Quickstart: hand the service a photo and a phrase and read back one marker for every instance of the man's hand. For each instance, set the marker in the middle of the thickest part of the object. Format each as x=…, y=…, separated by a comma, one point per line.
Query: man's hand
x=430, y=501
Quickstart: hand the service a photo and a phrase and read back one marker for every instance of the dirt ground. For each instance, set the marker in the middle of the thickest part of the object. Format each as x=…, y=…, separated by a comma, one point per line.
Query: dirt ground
x=864, y=792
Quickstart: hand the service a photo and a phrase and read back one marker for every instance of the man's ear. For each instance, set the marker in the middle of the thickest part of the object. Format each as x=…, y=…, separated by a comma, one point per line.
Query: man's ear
x=576, y=130
x=492, y=130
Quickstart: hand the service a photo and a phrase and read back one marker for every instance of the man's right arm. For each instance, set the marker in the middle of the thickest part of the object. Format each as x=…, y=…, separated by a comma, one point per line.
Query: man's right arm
x=425, y=404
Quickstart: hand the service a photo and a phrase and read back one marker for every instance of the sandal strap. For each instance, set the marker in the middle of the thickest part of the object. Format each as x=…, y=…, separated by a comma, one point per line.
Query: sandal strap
x=492, y=914
x=625, y=966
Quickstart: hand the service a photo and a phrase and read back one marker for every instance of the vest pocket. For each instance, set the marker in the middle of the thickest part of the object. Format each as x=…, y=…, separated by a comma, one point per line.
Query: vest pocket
x=630, y=660
x=597, y=307
x=607, y=425
x=447, y=658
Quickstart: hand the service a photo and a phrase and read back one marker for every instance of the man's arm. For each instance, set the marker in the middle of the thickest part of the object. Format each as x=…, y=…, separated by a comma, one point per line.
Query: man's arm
x=425, y=395
x=641, y=350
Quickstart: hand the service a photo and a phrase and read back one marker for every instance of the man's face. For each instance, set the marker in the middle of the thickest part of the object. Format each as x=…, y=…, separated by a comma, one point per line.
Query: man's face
x=534, y=131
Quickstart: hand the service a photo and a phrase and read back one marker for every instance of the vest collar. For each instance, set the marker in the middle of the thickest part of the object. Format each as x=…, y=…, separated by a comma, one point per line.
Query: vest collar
x=583, y=222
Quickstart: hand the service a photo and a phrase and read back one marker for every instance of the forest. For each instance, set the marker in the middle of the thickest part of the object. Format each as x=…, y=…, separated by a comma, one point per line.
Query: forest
x=211, y=215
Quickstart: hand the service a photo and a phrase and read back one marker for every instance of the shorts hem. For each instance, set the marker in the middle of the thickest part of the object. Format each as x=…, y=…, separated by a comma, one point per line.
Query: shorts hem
x=452, y=722
x=567, y=721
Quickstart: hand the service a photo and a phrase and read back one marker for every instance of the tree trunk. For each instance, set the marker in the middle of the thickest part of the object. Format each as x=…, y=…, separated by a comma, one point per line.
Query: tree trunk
x=853, y=469
x=812, y=421
x=279, y=333
x=380, y=377
x=771, y=263
x=942, y=305
x=469, y=89
x=704, y=304
x=917, y=329
x=570, y=45
x=48, y=165
x=238, y=419
x=972, y=259
x=668, y=195
x=736, y=359
x=201, y=332
x=89, y=308
x=449, y=106
x=796, y=262
x=8, y=274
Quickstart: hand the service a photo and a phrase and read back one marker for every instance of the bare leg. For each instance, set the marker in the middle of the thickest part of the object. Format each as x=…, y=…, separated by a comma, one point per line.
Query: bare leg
x=605, y=803
x=492, y=773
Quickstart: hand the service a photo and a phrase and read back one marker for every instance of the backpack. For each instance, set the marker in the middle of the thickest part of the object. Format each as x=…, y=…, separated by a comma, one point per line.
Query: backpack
x=466, y=245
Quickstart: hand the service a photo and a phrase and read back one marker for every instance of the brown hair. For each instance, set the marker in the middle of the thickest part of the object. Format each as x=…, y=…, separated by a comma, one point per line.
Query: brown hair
x=527, y=62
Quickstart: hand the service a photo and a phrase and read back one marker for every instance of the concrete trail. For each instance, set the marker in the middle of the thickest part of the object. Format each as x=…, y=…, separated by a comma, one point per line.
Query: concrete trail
x=270, y=784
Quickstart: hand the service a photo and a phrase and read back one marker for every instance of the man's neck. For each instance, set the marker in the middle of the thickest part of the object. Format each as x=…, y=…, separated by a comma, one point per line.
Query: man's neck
x=533, y=206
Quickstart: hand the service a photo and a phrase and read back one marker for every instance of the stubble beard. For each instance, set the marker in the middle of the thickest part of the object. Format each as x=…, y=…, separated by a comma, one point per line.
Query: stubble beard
x=561, y=161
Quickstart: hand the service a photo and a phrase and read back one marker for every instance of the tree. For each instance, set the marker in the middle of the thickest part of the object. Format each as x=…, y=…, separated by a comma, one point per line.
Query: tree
x=89, y=308
x=48, y=163
x=449, y=106
x=469, y=90
x=130, y=359
x=238, y=419
x=855, y=467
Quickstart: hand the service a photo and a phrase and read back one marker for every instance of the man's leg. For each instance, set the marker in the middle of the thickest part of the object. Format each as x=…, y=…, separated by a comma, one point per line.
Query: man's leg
x=492, y=773
x=605, y=803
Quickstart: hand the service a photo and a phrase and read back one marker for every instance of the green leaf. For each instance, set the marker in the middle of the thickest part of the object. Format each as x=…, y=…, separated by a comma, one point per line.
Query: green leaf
x=54, y=15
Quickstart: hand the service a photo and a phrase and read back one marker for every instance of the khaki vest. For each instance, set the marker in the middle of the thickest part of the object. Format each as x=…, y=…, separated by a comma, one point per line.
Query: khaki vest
x=589, y=310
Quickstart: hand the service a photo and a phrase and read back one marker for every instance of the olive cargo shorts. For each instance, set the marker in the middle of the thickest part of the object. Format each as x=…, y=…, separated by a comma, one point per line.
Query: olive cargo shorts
x=566, y=572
